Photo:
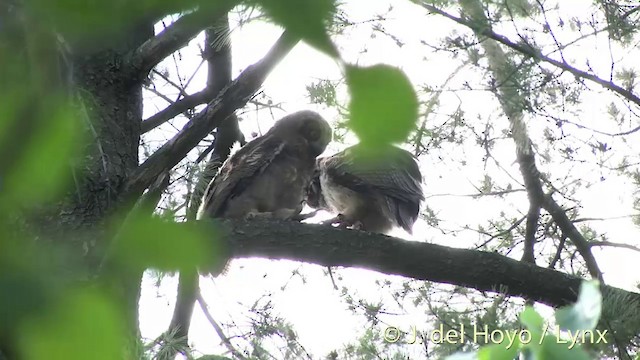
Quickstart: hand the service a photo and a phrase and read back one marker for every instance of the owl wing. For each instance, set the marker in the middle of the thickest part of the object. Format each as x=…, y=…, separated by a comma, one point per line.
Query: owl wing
x=238, y=172
x=388, y=171
x=391, y=171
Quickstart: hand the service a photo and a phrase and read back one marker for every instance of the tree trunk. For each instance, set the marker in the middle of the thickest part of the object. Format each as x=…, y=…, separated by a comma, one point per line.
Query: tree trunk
x=113, y=100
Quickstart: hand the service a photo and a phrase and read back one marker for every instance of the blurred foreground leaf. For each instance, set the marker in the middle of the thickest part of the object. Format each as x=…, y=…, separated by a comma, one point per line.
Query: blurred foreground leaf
x=84, y=20
x=584, y=314
x=43, y=166
x=502, y=351
x=83, y=325
x=384, y=105
x=531, y=319
x=149, y=242
x=306, y=18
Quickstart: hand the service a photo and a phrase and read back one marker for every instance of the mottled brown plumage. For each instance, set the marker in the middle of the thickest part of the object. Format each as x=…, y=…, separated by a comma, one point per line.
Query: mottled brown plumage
x=268, y=176
x=372, y=189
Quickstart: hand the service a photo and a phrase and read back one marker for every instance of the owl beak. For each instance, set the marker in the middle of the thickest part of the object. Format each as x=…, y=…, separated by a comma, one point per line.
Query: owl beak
x=317, y=148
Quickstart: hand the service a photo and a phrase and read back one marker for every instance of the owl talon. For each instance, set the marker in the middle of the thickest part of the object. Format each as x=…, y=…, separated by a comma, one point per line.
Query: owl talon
x=252, y=215
x=333, y=220
x=357, y=225
x=306, y=216
x=329, y=222
x=340, y=220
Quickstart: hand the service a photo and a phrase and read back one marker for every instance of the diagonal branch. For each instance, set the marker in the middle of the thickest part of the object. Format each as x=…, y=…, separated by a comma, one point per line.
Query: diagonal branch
x=218, y=329
x=569, y=229
x=328, y=246
x=511, y=102
x=218, y=56
x=174, y=37
x=228, y=100
x=613, y=244
x=532, y=52
x=175, y=109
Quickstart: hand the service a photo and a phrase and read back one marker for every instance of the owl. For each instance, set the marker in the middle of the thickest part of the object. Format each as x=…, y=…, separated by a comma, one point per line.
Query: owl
x=268, y=177
x=371, y=188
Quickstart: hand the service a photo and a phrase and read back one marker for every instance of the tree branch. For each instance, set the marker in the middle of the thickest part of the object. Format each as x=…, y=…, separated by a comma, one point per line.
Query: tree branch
x=174, y=37
x=228, y=100
x=218, y=56
x=570, y=230
x=612, y=244
x=327, y=246
x=175, y=109
x=531, y=51
x=218, y=329
x=556, y=257
x=511, y=102
x=185, y=299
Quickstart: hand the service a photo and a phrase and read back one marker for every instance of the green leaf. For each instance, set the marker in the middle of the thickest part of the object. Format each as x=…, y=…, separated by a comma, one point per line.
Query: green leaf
x=531, y=319
x=553, y=348
x=83, y=20
x=383, y=106
x=503, y=351
x=44, y=166
x=534, y=324
x=585, y=313
x=83, y=325
x=149, y=242
x=308, y=19
x=28, y=296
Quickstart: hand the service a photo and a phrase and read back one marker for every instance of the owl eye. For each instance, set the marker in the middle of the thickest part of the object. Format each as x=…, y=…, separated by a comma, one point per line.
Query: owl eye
x=312, y=132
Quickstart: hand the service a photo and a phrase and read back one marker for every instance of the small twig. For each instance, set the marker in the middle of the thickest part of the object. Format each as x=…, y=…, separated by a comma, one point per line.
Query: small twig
x=333, y=281
x=613, y=244
x=531, y=51
x=225, y=340
x=556, y=257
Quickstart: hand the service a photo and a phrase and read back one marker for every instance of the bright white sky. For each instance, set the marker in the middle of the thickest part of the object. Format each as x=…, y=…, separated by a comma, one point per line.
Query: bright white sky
x=315, y=309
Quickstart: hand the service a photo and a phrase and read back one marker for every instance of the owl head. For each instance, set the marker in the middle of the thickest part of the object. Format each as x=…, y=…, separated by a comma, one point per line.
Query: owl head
x=307, y=126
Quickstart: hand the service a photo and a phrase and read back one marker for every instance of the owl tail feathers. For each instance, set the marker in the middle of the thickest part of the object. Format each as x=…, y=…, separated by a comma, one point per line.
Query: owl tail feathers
x=220, y=268
x=407, y=214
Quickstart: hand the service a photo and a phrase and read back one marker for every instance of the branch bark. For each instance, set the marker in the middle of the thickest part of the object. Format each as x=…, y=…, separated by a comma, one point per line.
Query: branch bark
x=174, y=37
x=327, y=246
x=228, y=100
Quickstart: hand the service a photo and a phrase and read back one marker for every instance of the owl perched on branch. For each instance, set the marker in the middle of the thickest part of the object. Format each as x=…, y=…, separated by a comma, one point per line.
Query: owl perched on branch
x=370, y=188
x=268, y=177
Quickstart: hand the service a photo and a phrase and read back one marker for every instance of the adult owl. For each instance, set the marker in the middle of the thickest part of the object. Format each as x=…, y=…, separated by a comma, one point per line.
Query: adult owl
x=370, y=188
x=268, y=177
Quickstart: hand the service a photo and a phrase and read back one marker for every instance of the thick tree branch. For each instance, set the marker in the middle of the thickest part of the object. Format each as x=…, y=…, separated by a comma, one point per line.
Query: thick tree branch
x=328, y=246
x=532, y=52
x=511, y=101
x=531, y=176
x=185, y=300
x=175, y=36
x=569, y=229
x=175, y=109
x=218, y=56
x=228, y=100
